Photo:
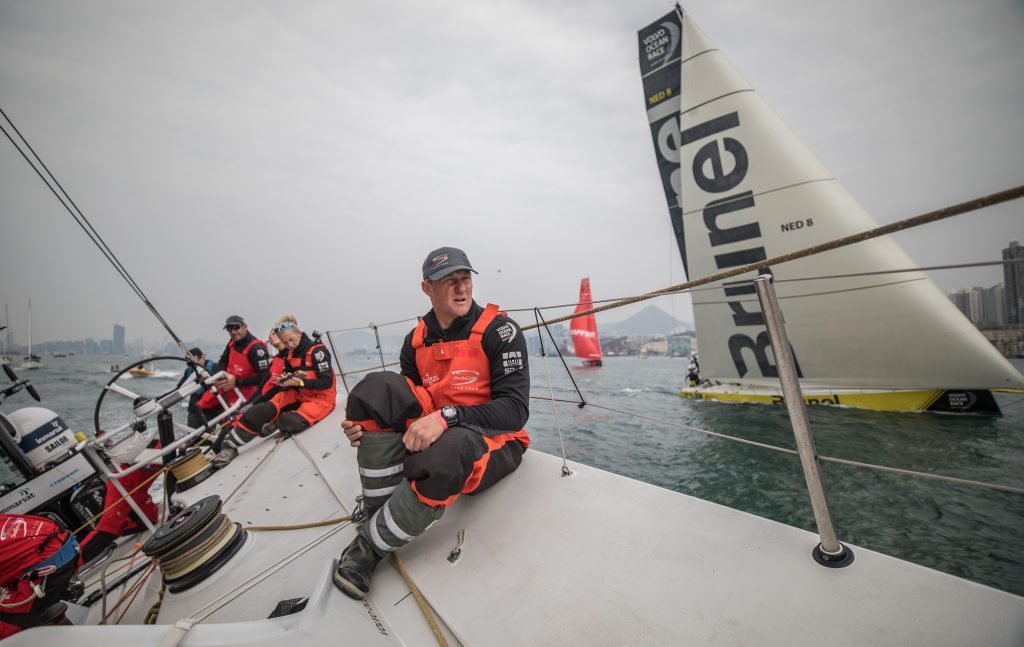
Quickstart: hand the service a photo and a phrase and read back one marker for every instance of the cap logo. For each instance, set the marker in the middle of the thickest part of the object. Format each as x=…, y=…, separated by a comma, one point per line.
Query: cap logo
x=437, y=260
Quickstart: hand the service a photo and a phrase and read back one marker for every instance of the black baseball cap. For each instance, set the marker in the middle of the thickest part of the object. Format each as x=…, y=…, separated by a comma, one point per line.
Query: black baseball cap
x=443, y=261
x=234, y=320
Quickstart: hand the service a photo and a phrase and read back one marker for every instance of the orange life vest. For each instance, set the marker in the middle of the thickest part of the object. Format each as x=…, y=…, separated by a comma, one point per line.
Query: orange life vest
x=305, y=366
x=458, y=373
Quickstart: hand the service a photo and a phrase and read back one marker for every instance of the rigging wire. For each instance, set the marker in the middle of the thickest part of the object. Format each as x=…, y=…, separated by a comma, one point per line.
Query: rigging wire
x=915, y=221
x=554, y=410
x=51, y=181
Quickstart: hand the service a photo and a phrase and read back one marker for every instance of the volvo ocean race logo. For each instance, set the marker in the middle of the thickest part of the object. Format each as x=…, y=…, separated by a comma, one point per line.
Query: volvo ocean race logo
x=662, y=43
x=507, y=332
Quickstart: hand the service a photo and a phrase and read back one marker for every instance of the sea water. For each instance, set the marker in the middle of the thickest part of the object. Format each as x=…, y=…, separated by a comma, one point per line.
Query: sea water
x=967, y=531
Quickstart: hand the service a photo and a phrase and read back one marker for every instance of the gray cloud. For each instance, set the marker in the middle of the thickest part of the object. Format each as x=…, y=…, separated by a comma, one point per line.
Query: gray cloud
x=247, y=157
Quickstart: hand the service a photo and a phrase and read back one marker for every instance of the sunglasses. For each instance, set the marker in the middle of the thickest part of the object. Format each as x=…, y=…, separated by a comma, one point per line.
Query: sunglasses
x=232, y=327
x=285, y=326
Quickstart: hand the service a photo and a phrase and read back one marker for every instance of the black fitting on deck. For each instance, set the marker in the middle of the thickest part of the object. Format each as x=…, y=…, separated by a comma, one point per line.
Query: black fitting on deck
x=843, y=558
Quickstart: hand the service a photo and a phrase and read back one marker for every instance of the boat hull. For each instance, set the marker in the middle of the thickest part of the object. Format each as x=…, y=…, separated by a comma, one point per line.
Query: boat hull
x=939, y=400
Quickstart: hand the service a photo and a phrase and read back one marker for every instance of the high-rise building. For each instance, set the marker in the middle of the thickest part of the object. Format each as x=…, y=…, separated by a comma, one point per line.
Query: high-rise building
x=117, y=347
x=1013, y=284
x=962, y=300
x=992, y=307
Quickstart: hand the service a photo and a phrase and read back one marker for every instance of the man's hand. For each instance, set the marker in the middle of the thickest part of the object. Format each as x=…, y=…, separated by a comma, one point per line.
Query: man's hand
x=422, y=433
x=225, y=383
x=285, y=381
x=352, y=431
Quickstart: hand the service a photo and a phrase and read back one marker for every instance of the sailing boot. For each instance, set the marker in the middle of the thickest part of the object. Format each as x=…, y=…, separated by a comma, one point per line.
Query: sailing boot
x=355, y=567
x=227, y=453
x=235, y=438
x=403, y=518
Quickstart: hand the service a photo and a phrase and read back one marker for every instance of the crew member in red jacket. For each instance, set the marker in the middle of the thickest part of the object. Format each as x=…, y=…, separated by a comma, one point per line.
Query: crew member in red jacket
x=118, y=518
x=247, y=363
x=306, y=393
x=450, y=424
x=38, y=557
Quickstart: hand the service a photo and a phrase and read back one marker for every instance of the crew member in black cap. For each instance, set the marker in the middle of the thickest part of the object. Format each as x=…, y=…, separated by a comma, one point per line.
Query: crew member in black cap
x=247, y=363
x=450, y=424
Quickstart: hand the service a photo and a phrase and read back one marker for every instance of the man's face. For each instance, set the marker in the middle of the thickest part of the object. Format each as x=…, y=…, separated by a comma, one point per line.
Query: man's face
x=275, y=341
x=451, y=296
x=290, y=337
x=237, y=332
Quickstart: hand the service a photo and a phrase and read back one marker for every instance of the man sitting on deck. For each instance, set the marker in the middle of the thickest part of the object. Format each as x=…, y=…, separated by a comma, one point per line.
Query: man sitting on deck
x=450, y=424
x=247, y=363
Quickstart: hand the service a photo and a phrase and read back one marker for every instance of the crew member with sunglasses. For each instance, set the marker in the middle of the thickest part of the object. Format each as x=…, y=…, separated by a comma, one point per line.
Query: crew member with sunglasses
x=306, y=393
x=247, y=363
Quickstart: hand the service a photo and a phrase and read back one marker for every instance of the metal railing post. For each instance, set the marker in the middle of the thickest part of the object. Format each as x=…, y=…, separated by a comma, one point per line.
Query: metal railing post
x=829, y=552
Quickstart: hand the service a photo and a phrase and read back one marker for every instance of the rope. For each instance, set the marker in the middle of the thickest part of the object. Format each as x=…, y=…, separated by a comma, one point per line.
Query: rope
x=103, y=581
x=238, y=487
x=427, y=614
x=337, y=497
x=154, y=611
x=216, y=604
x=830, y=459
x=420, y=601
x=300, y=526
x=132, y=591
x=192, y=465
x=136, y=588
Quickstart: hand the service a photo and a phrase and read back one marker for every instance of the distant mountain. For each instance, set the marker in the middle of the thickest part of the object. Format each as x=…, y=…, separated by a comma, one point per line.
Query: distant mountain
x=652, y=320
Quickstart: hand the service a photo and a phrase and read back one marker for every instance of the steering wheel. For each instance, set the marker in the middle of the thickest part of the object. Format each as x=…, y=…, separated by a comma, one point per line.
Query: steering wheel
x=144, y=406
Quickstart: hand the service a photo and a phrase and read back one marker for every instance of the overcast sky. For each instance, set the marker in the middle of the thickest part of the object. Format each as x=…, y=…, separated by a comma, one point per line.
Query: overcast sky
x=260, y=158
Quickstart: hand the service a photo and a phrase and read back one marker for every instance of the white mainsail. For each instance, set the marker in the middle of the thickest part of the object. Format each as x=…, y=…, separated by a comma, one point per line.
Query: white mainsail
x=747, y=189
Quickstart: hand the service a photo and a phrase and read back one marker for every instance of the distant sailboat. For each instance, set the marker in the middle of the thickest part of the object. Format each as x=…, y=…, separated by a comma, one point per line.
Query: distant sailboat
x=742, y=188
x=31, y=360
x=585, y=341
x=4, y=359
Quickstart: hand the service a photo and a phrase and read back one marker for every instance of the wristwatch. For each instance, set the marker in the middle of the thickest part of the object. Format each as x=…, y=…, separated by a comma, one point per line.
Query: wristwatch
x=450, y=415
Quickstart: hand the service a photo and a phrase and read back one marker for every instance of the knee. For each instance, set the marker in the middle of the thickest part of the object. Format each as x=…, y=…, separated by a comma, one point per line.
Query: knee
x=292, y=423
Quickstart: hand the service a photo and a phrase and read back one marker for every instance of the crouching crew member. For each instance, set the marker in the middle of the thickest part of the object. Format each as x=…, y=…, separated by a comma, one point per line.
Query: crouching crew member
x=307, y=393
x=450, y=424
x=38, y=557
x=119, y=519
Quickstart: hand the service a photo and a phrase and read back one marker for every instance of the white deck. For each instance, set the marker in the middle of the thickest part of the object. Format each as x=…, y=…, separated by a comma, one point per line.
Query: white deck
x=593, y=559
